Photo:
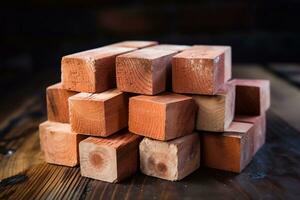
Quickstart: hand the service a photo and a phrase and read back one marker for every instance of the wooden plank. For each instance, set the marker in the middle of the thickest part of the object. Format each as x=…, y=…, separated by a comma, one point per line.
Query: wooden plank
x=57, y=103
x=143, y=71
x=205, y=67
x=109, y=159
x=135, y=44
x=59, y=144
x=162, y=117
x=252, y=96
x=172, y=160
x=91, y=71
x=99, y=114
x=172, y=47
x=215, y=112
x=231, y=150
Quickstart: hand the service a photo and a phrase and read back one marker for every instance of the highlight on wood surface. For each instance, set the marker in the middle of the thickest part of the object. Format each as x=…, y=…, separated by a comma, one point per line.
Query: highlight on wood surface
x=172, y=160
x=144, y=71
x=231, y=150
x=201, y=70
x=215, y=112
x=59, y=144
x=99, y=114
x=91, y=71
x=252, y=96
x=135, y=44
x=162, y=117
x=172, y=47
x=109, y=159
x=57, y=103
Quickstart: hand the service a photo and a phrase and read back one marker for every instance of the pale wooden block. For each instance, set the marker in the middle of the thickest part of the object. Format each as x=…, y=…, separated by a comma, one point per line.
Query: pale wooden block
x=252, y=96
x=109, y=159
x=205, y=68
x=99, y=114
x=231, y=150
x=57, y=103
x=172, y=47
x=172, y=160
x=162, y=117
x=143, y=71
x=215, y=113
x=135, y=44
x=91, y=71
x=59, y=144
x=259, y=123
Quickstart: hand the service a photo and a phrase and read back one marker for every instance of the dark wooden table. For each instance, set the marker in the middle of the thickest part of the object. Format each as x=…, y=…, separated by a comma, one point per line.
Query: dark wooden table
x=274, y=173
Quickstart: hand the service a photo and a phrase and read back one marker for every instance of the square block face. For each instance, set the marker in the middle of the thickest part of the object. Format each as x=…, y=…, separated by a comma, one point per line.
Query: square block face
x=215, y=113
x=99, y=114
x=91, y=71
x=163, y=117
x=172, y=160
x=204, y=68
x=57, y=103
x=231, y=150
x=59, y=144
x=143, y=71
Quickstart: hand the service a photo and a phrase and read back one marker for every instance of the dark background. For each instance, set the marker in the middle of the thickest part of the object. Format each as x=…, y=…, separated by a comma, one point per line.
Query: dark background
x=36, y=34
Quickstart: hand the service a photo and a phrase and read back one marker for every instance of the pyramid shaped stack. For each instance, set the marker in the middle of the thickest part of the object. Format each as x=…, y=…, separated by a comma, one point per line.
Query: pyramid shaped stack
x=171, y=98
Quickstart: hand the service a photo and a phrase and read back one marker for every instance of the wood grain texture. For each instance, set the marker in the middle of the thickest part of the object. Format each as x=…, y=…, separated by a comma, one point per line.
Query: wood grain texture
x=252, y=96
x=59, y=144
x=135, y=44
x=162, y=117
x=143, y=71
x=172, y=160
x=57, y=103
x=204, y=67
x=109, y=159
x=259, y=123
x=215, y=113
x=91, y=71
x=99, y=114
x=231, y=150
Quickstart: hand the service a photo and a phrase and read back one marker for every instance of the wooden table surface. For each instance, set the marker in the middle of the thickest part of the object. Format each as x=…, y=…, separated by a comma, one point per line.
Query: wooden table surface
x=274, y=173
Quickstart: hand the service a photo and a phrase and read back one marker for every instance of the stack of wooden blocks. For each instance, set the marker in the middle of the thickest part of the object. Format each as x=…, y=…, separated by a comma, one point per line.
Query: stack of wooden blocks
x=171, y=98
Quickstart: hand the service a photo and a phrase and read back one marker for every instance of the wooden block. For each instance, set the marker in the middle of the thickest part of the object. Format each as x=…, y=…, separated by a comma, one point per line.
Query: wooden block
x=135, y=44
x=57, y=103
x=259, y=123
x=231, y=150
x=99, y=114
x=205, y=68
x=91, y=71
x=252, y=96
x=215, y=113
x=162, y=117
x=109, y=159
x=172, y=160
x=172, y=47
x=59, y=144
x=143, y=71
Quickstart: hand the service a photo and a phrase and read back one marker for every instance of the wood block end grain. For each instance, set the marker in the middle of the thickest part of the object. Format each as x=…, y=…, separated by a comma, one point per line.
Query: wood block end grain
x=172, y=160
x=109, y=159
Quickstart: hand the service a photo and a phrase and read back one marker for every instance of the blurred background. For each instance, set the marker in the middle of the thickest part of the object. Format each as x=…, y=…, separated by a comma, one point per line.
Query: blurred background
x=36, y=34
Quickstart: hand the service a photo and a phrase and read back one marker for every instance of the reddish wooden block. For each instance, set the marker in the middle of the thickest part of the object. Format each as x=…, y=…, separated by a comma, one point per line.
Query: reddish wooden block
x=162, y=117
x=91, y=71
x=231, y=150
x=143, y=71
x=99, y=114
x=172, y=47
x=205, y=68
x=135, y=44
x=109, y=159
x=215, y=113
x=59, y=144
x=252, y=96
x=57, y=103
x=172, y=160
x=259, y=123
